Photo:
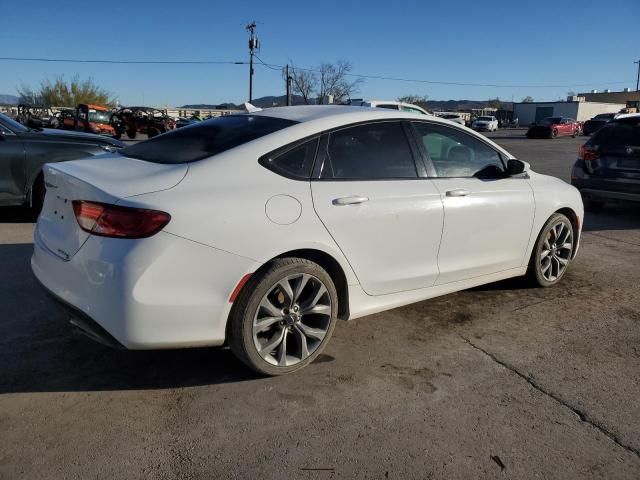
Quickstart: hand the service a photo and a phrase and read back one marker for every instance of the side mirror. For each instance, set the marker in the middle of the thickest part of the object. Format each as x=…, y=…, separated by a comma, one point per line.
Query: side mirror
x=516, y=167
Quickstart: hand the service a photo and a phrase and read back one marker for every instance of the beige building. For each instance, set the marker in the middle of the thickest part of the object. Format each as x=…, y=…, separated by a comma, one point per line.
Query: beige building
x=607, y=96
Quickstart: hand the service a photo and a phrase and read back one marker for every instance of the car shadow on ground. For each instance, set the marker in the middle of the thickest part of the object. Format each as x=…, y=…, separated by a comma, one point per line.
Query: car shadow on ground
x=17, y=215
x=40, y=353
x=614, y=216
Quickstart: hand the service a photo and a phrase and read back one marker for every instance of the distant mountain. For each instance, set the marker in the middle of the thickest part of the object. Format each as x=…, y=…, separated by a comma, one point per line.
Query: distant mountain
x=433, y=105
x=262, y=102
x=6, y=99
x=461, y=105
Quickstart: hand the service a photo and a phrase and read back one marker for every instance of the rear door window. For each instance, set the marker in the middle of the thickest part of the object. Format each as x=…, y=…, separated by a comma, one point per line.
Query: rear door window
x=205, y=139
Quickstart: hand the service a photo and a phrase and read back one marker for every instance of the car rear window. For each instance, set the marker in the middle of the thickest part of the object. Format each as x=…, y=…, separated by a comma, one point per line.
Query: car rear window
x=620, y=133
x=205, y=139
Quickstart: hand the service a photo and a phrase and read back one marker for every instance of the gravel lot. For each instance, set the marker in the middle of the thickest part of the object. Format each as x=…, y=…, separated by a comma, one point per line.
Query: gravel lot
x=500, y=381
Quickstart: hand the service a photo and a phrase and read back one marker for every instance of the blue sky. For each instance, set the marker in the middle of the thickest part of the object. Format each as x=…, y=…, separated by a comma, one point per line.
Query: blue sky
x=489, y=42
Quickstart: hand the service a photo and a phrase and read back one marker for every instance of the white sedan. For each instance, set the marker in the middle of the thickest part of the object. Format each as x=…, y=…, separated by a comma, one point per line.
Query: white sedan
x=260, y=230
x=487, y=123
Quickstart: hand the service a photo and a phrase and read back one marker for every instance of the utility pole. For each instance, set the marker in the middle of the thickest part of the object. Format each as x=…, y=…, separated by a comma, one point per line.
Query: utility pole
x=253, y=45
x=288, y=78
x=638, y=79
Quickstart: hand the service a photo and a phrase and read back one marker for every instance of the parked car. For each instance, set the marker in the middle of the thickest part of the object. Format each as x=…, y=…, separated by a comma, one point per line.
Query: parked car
x=390, y=105
x=453, y=117
x=592, y=125
x=488, y=123
x=24, y=150
x=147, y=120
x=552, y=127
x=260, y=230
x=90, y=119
x=608, y=165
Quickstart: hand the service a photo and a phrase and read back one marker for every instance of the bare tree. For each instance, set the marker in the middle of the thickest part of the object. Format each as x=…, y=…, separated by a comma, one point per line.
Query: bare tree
x=334, y=80
x=60, y=92
x=303, y=82
x=328, y=79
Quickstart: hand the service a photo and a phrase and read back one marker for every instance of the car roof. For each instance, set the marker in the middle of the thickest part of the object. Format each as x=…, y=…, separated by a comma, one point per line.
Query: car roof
x=338, y=114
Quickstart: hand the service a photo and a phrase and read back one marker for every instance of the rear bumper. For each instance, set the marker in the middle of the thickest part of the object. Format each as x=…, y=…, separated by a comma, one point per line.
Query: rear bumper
x=612, y=195
x=82, y=322
x=159, y=292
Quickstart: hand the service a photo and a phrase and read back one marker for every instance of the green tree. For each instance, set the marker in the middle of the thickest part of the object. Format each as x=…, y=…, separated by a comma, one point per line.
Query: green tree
x=63, y=93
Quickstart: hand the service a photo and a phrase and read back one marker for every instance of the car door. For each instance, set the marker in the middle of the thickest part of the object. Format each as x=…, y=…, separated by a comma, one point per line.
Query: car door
x=386, y=219
x=12, y=167
x=488, y=216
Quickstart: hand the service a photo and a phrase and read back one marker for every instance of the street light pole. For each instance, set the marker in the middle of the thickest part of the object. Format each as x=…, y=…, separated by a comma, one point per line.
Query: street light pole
x=253, y=45
x=638, y=78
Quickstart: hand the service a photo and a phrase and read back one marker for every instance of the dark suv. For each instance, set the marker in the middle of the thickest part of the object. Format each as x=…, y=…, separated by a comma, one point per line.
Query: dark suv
x=608, y=167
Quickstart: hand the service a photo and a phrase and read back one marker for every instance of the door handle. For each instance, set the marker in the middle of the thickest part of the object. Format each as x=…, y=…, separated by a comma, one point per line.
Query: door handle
x=458, y=192
x=356, y=200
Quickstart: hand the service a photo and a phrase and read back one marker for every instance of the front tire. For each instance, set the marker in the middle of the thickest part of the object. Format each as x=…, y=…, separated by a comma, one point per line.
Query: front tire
x=552, y=252
x=283, y=317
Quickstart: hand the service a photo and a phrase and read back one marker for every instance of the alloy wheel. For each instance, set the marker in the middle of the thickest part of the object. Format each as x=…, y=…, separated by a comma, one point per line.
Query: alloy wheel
x=556, y=251
x=292, y=319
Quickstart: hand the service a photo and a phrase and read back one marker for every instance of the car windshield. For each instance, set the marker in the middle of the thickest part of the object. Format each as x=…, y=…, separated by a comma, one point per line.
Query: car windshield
x=551, y=121
x=485, y=119
x=12, y=124
x=449, y=116
x=99, y=116
x=604, y=116
x=205, y=139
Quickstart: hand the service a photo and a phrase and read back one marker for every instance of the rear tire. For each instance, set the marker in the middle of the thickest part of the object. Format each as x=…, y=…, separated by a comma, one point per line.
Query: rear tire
x=283, y=317
x=131, y=133
x=38, y=192
x=552, y=252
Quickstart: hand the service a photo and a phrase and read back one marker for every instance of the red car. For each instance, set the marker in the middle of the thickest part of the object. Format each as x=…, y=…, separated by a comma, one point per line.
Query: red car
x=552, y=127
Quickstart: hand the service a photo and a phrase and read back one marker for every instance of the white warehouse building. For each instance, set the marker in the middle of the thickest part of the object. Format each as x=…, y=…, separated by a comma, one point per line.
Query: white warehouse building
x=574, y=107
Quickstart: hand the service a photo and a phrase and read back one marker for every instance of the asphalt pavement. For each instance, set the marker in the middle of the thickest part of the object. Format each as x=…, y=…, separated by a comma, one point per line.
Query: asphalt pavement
x=501, y=381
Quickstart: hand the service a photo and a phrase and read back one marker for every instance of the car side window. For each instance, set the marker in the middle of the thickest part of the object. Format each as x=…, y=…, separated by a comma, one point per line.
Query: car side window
x=454, y=153
x=369, y=152
x=292, y=162
x=388, y=106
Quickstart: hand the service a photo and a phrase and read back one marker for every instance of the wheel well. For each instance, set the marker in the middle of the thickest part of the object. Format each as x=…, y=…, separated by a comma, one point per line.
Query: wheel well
x=334, y=270
x=575, y=221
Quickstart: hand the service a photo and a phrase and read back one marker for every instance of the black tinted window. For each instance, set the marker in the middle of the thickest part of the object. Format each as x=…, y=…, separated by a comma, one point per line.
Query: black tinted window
x=454, y=153
x=295, y=162
x=373, y=151
x=205, y=139
x=618, y=133
x=388, y=106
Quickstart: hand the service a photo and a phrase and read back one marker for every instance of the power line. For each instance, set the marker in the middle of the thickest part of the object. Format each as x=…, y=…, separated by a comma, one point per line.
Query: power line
x=159, y=62
x=273, y=66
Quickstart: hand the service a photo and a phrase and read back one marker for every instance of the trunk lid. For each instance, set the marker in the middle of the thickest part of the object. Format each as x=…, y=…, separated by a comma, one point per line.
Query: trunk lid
x=106, y=179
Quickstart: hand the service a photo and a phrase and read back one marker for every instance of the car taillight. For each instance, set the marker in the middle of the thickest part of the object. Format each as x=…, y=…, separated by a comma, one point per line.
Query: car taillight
x=586, y=153
x=108, y=220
